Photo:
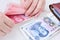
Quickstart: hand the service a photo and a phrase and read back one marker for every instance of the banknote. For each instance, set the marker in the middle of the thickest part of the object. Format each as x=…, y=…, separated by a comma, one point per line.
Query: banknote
x=14, y=12
x=37, y=29
x=17, y=18
x=41, y=29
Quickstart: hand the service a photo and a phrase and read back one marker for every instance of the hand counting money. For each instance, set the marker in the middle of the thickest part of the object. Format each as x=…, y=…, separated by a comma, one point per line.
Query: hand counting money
x=15, y=12
x=37, y=29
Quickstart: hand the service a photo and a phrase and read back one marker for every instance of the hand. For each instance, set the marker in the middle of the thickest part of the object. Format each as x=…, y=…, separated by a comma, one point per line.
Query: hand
x=5, y=25
x=33, y=7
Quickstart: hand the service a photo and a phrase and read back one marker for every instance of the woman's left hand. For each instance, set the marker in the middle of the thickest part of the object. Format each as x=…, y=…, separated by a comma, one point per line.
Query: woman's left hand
x=33, y=7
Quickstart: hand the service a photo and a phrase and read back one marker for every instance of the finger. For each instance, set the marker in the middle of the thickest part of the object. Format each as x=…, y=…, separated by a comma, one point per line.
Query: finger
x=26, y=3
x=39, y=7
x=32, y=7
x=4, y=28
x=1, y=18
x=15, y=9
x=1, y=33
x=37, y=15
x=8, y=22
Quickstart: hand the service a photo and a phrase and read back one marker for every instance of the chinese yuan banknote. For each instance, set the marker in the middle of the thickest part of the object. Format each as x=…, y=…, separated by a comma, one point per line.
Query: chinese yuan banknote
x=15, y=12
x=41, y=28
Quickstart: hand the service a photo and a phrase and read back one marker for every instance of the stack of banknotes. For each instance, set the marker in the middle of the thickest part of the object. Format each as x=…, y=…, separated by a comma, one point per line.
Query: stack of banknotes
x=35, y=28
x=14, y=13
x=41, y=28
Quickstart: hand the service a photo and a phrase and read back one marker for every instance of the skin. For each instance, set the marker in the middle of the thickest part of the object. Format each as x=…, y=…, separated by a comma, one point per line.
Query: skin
x=27, y=7
x=6, y=25
x=30, y=8
x=33, y=7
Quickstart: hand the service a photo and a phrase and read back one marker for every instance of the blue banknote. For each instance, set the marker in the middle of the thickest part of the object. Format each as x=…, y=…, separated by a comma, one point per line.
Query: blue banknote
x=37, y=31
x=41, y=29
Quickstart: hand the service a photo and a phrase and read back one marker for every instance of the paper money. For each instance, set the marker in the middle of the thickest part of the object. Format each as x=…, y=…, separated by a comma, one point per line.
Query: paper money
x=37, y=29
x=15, y=12
x=41, y=29
x=18, y=18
